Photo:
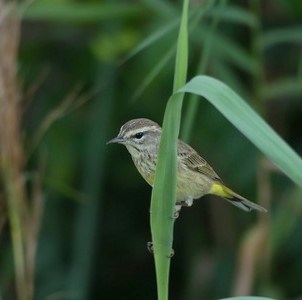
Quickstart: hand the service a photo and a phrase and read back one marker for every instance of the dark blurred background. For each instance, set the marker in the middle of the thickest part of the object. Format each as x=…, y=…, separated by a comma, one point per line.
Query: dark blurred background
x=79, y=86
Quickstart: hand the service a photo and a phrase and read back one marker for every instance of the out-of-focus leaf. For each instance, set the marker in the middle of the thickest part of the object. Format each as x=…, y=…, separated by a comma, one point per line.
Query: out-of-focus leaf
x=247, y=298
x=109, y=47
x=274, y=37
x=235, y=14
x=192, y=108
x=165, y=29
x=79, y=12
x=230, y=51
x=287, y=216
x=162, y=8
x=89, y=213
x=235, y=54
x=286, y=87
x=229, y=76
x=292, y=7
x=154, y=37
x=152, y=74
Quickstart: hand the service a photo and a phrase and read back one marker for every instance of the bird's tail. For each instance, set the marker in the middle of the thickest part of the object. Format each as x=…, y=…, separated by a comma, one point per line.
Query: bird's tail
x=221, y=190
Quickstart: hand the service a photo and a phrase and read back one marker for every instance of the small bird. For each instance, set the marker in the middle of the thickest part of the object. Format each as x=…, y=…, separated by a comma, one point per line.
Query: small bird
x=195, y=177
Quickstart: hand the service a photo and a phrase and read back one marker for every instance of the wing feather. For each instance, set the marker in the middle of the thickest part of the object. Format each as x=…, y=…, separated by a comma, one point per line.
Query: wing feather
x=195, y=162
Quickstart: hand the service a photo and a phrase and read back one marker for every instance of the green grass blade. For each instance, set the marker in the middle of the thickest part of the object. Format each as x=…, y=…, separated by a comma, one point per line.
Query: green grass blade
x=78, y=12
x=161, y=8
x=228, y=75
x=285, y=35
x=234, y=53
x=194, y=17
x=285, y=87
x=166, y=29
x=89, y=213
x=153, y=74
x=242, y=116
x=235, y=14
x=154, y=37
x=181, y=64
x=231, y=51
x=164, y=191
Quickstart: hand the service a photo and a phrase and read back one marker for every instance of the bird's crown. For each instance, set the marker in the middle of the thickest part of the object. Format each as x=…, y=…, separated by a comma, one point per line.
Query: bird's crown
x=138, y=126
x=138, y=131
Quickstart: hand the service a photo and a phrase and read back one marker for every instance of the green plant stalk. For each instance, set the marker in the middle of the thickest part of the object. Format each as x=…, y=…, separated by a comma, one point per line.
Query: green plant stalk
x=14, y=217
x=163, y=197
x=164, y=191
x=181, y=63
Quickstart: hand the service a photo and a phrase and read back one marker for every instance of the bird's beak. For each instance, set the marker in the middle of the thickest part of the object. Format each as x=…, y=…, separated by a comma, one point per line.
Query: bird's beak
x=118, y=140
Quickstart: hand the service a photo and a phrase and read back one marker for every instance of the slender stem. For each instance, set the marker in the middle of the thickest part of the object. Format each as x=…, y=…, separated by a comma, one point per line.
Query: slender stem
x=15, y=222
x=162, y=209
x=11, y=151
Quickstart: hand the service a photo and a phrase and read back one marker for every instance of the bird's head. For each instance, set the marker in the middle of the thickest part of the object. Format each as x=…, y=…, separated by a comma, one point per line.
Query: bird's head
x=139, y=135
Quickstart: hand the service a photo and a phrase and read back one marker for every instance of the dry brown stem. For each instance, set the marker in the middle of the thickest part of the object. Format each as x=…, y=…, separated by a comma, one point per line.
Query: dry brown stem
x=12, y=160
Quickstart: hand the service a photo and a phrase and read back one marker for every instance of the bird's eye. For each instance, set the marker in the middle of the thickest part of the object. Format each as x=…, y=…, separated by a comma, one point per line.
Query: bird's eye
x=139, y=135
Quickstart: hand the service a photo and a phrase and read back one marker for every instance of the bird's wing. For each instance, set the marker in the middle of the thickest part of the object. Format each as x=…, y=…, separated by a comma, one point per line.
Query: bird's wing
x=195, y=162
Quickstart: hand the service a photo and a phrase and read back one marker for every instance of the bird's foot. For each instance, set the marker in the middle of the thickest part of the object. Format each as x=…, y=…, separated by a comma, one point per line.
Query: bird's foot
x=150, y=247
x=172, y=253
x=187, y=202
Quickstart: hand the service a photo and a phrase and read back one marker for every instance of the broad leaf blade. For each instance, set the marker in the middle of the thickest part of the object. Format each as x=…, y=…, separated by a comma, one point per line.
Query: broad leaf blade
x=242, y=116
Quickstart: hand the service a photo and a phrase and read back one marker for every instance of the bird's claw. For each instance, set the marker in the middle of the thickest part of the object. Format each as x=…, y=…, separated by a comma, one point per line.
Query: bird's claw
x=175, y=215
x=187, y=202
x=172, y=253
x=176, y=212
x=150, y=247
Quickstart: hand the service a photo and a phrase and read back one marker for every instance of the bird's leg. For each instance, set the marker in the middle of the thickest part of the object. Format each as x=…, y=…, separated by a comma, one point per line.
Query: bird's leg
x=188, y=202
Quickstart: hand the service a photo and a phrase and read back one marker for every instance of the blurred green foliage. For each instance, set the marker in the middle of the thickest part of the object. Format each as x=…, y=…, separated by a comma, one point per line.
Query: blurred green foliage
x=95, y=220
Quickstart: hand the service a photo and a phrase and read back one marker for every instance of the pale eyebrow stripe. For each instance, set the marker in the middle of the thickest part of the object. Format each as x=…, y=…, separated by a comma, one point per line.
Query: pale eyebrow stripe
x=143, y=129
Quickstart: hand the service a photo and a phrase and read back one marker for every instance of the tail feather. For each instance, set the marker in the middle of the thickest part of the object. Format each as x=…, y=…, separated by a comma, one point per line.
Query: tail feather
x=245, y=204
x=236, y=199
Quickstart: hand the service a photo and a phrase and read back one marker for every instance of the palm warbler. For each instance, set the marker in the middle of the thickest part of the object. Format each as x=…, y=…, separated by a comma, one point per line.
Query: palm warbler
x=195, y=177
